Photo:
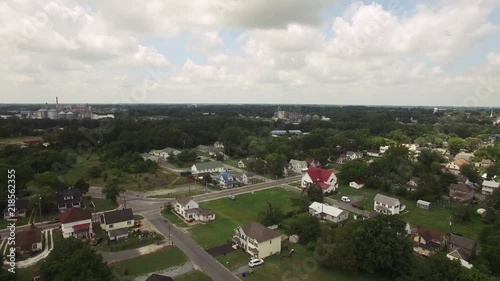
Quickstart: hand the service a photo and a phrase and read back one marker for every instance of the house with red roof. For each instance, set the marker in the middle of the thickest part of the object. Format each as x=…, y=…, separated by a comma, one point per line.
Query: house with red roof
x=357, y=184
x=326, y=179
x=76, y=222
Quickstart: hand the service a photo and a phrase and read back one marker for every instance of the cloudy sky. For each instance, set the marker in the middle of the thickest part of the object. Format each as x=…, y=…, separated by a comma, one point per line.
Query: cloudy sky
x=443, y=52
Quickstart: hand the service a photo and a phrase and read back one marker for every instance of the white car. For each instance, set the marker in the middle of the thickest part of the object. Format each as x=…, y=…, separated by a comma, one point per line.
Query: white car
x=255, y=262
x=345, y=199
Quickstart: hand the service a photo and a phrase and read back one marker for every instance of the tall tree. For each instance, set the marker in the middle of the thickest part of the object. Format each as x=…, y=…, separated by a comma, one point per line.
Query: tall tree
x=455, y=144
x=314, y=192
x=271, y=215
x=46, y=198
x=72, y=259
x=301, y=203
x=352, y=171
x=469, y=171
x=306, y=226
x=276, y=163
x=112, y=190
x=472, y=144
x=82, y=185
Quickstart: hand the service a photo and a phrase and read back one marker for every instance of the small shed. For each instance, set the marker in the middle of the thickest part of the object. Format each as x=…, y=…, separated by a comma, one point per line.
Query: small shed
x=424, y=205
x=294, y=238
x=481, y=212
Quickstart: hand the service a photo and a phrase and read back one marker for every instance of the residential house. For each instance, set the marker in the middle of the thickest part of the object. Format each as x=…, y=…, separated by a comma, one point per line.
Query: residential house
x=226, y=180
x=148, y=156
x=412, y=184
x=297, y=166
x=20, y=210
x=208, y=167
x=357, y=184
x=242, y=164
x=69, y=198
x=373, y=153
x=247, y=178
x=327, y=212
x=76, y=222
x=466, y=156
x=116, y=223
x=427, y=241
x=191, y=211
x=462, y=249
x=383, y=149
x=454, y=166
x=311, y=162
x=29, y=240
x=202, y=148
x=326, y=179
x=461, y=192
x=218, y=144
x=166, y=152
x=257, y=240
x=157, y=277
x=484, y=163
x=387, y=205
x=351, y=155
x=489, y=187
x=341, y=160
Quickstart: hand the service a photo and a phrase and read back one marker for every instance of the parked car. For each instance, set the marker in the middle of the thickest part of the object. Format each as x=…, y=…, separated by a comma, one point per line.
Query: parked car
x=255, y=262
x=345, y=199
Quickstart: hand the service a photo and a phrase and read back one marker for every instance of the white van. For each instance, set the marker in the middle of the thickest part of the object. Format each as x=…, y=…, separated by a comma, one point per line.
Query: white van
x=345, y=199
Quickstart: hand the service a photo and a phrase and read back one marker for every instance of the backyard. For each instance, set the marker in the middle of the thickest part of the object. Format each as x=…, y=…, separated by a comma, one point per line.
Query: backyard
x=436, y=218
x=231, y=214
x=101, y=205
x=159, y=260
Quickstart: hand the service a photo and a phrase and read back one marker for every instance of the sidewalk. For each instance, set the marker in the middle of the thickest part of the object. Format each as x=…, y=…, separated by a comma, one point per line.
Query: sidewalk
x=171, y=272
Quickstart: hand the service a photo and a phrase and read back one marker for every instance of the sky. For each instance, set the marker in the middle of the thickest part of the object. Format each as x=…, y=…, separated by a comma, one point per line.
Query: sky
x=421, y=53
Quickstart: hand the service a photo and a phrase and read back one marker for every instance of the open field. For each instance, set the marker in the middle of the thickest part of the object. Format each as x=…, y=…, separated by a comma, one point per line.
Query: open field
x=101, y=205
x=436, y=218
x=159, y=260
x=231, y=214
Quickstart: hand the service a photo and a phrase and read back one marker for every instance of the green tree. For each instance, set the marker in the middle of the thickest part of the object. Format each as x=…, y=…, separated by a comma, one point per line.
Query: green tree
x=306, y=226
x=463, y=214
x=314, y=192
x=187, y=156
x=489, y=241
x=46, y=198
x=112, y=190
x=493, y=205
x=72, y=259
x=455, y=144
x=94, y=172
x=472, y=144
x=47, y=179
x=301, y=203
x=276, y=163
x=469, y=171
x=82, y=185
x=271, y=215
x=352, y=171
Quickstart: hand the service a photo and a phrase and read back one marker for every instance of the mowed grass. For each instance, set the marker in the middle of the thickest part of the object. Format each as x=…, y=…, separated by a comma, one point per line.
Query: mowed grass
x=230, y=214
x=304, y=265
x=102, y=205
x=193, y=276
x=156, y=261
x=234, y=260
x=436, y=218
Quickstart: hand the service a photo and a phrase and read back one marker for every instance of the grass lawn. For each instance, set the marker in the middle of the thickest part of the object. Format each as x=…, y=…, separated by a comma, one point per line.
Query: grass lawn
x=26, y=274
x=138, y=217
x=101, y=205
x=159, y=260
x=302, y=266
x=234, y=260
x=173, y=218
x=231, y=214
x=21, y=221
x=193, y=276
x=436, y=218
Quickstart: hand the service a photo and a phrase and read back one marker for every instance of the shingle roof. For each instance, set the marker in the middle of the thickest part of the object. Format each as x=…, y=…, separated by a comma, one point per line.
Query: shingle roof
x=75, y=214
x=75, y=193
x=209, y=165
x=118, y=232
x=183, y=200
x=326, y=209
x=118, y=216
x=460, y=187
x=492, y=184
x=200, y=211
x=429, y=234
x=28, y=237
x=21, y=204
x=386, y=200
x=259, y=232
x=156, y=277
x=462, y=242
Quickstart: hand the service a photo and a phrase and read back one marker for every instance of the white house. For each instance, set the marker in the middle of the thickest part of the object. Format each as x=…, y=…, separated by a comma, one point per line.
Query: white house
x=247, y=178
x=241, y=164
x=117, y=223
x=383, y=149
x=208, y=167
x=257, y=240
x=190, y=210
x=165, y=153
x=218, y=144
x=489, y=187
x=454, y=167
x=351, y=155
x=297, y=166
x=357, y=184
x=373, y=154
x=327, y=212
x=77, y=223
x=387, y=205
x=326, y=179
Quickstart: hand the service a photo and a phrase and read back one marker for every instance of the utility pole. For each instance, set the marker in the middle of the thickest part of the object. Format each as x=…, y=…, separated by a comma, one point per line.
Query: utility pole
x=449, y=236
x=124, y=203
x=40, y=207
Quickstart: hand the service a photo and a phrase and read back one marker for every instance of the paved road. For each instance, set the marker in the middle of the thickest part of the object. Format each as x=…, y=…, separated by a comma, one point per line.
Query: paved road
x=194, y=252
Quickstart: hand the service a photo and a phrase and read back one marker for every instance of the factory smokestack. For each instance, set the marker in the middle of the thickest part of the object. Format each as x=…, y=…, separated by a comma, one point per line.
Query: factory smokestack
x=57, y=102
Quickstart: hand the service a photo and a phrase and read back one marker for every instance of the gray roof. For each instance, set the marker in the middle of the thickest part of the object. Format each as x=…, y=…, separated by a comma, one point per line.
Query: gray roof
x=75, y=193
x=200, y=211
x=209, y=165
x=118, y=216
x=298, y=162
x=118, y=232
x=386, y=200
x=259, y=232
x=460, y=187
x=462, y=242
x=183, y=200
x=169, y=150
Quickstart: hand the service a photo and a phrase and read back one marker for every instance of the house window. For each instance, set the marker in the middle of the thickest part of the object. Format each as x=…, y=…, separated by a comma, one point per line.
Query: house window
x=129, y=222
x=110, y=226
x=270, y=241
